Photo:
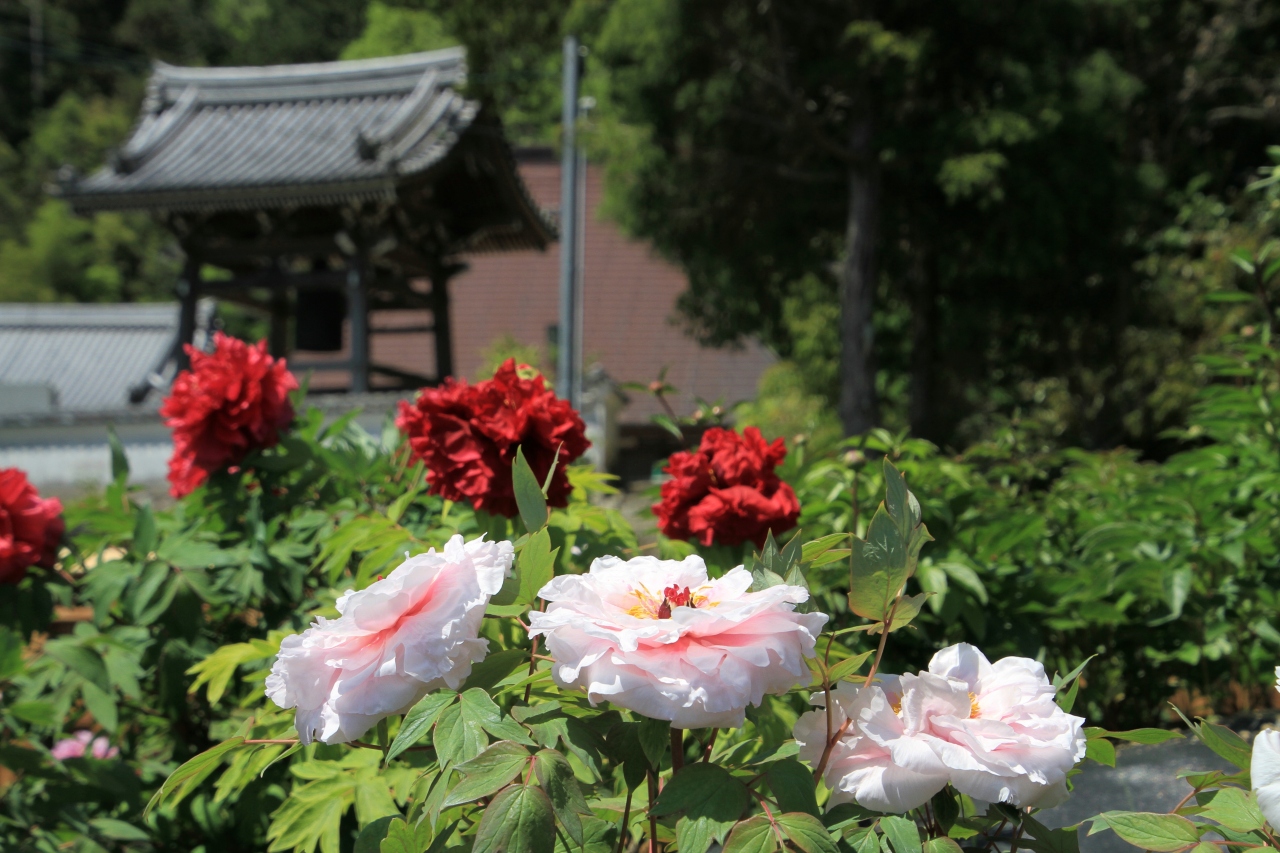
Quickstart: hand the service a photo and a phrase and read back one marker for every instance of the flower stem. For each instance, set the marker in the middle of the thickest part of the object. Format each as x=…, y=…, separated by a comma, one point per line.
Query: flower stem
x=653, y=818
x=626, y=819
x=884, y=636
x=711, y=744
x=677, y=749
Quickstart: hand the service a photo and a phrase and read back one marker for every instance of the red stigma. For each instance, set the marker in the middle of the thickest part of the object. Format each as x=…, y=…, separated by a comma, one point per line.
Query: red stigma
x=674, y=596
x=677, y=596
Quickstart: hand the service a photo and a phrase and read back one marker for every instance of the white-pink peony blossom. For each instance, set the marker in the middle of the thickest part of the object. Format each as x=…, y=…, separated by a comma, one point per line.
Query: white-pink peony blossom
x=81, y=742
x=996, y=726
x=993, y=731
x=874, y=763
x=396, y=640
x=1264, y=771
x=662, y=639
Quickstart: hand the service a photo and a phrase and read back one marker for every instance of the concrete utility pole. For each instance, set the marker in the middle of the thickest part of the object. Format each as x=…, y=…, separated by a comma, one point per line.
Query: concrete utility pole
x=37, y=53
x=568, y=360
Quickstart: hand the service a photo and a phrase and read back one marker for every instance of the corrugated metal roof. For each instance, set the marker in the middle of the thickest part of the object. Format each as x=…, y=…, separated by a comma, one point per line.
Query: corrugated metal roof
x=91, y=354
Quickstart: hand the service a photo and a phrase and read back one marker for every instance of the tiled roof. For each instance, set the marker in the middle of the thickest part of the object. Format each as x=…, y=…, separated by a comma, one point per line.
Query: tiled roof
x=302, y=135
x=91, y=355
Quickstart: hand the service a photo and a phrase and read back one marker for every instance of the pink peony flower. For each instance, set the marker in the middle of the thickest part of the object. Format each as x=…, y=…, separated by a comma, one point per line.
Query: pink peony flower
x=996, y=726
x=1264, y=771
x=875, y=763
x=400, y=638
x=660, y=638
x=75, y=747
x=992, y=730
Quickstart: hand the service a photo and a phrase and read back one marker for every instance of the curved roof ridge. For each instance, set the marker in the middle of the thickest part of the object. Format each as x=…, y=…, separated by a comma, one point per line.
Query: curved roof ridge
x=351, y=78
x=273, y=75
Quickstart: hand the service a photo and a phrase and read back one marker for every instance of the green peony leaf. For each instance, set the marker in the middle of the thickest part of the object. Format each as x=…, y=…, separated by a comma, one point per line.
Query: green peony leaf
x=555, y=775
x=488, y=772
x=519, y=820
x=419, y=720
x=792, y=786
x=902, y=834
x=1235, y=809
x=710, y=798
x=1163, y=833
x=806, y=832
x=530, y=500
x=753, y=835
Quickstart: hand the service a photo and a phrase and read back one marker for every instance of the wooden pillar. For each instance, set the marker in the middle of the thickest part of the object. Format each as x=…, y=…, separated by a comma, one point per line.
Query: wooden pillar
x=443, y=330
x=188, y=292
x=358, y=317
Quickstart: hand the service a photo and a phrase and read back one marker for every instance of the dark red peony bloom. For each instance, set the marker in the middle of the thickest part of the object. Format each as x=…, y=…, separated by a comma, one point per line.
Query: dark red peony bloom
x=468, y=434
x=31, y=527
x=726, y=490
x=232, y=400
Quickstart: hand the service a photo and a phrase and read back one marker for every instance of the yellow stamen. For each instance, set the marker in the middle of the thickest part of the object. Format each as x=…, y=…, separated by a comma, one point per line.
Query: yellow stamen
x=974, y=711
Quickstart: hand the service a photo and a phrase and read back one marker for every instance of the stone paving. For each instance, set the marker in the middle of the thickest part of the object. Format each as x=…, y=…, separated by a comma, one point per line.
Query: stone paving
x=1144, y=779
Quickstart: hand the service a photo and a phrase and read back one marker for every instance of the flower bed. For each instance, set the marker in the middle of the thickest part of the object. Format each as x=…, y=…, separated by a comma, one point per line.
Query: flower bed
x=435, y=641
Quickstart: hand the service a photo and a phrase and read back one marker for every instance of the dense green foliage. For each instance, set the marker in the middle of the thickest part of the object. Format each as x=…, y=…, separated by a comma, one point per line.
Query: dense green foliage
x=1028, y=161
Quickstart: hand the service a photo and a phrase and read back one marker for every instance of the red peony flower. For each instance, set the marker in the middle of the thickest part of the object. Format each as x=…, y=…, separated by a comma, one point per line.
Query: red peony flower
x=232, y=400
x=31, y=527
x=468, y=434
x=726, y=490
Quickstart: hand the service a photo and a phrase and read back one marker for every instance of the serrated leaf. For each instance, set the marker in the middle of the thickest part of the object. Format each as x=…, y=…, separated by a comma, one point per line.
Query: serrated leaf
x=419, y=720
x=753, y=835
x=519, y=820
x=1163, y=833
x=792, y=785
x=555, y=775
x=806, y=832
x=902, y=834
x=528, y=492
x=487, y=773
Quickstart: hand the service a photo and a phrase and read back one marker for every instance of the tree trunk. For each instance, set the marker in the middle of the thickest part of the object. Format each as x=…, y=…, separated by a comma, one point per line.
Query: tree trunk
x=859, y=410
x=923, y=405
